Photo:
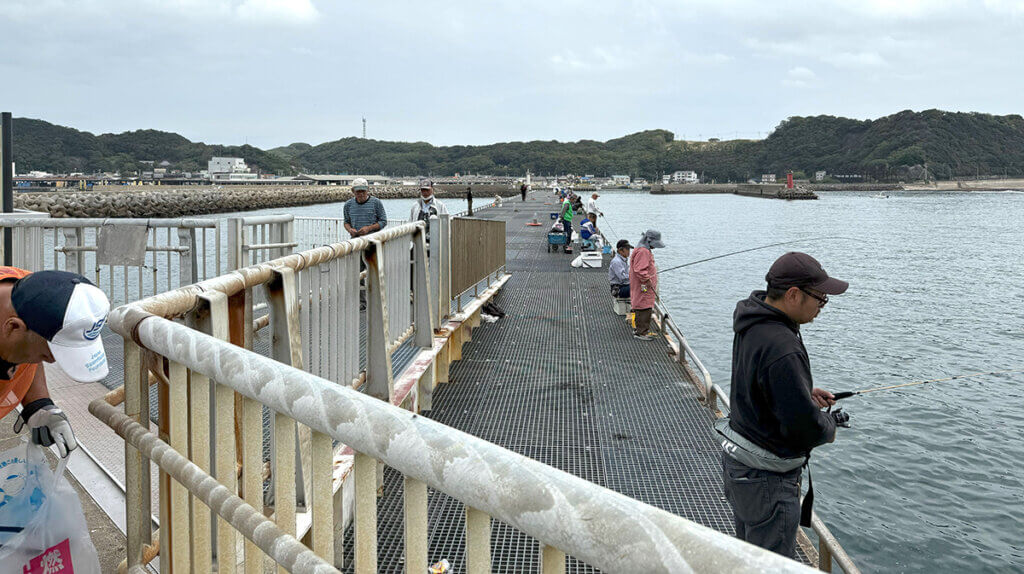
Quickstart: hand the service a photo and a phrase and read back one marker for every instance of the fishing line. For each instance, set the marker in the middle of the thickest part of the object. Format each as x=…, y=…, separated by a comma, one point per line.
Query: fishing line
x=847, y=394
x=755, y=249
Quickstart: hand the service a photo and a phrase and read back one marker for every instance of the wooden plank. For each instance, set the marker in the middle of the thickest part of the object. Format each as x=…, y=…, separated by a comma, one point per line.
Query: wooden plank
x=180, y=539
x=136, y=466
x=415, y=526
x=552, y=560
x=365, y=468
x=478, y=541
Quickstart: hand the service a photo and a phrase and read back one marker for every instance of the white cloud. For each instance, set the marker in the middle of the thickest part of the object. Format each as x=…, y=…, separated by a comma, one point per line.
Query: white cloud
x=567, y=60
x=289, y=11
x=1012, y=7
x=799, y=77
x=800, y=73
x=855, y=59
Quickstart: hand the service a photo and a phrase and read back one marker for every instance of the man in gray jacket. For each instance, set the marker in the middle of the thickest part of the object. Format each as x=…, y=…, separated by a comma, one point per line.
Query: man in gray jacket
x=618, y=270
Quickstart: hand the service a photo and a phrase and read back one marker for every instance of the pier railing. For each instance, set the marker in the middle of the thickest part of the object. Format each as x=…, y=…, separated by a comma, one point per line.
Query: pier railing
x=207, y=431
x=213, y=390
x=828, y=549
x=477, y=254
x=128, y=258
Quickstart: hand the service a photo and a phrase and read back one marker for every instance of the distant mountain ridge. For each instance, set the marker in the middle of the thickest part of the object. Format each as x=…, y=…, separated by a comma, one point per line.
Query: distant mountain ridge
x=891, y=147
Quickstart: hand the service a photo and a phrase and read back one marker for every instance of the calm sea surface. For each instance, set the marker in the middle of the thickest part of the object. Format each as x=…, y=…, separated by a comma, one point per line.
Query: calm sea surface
x=929, y=479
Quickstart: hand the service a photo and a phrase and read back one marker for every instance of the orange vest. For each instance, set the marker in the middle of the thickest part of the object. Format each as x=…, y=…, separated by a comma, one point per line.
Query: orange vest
x=13, y=390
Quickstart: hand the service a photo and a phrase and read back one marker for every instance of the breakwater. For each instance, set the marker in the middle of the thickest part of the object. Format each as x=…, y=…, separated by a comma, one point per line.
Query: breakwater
x=854, y=186
x=766, y=190
x=160, y=201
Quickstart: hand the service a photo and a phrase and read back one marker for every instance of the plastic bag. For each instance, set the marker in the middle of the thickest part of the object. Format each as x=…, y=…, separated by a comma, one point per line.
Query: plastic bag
x=42, y=527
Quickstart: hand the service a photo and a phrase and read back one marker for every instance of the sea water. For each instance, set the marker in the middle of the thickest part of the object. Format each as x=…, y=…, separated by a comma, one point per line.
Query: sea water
x=929, y=479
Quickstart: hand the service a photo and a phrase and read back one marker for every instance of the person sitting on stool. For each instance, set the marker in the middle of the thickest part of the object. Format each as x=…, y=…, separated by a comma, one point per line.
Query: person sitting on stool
x=618, y=270
x=588, y=234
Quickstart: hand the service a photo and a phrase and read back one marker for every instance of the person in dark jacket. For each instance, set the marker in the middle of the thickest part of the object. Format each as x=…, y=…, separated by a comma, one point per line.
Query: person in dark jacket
x=774, y=403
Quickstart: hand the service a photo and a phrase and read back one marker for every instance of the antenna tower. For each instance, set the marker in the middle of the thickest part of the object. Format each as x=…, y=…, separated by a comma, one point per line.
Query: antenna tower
x=364, y=128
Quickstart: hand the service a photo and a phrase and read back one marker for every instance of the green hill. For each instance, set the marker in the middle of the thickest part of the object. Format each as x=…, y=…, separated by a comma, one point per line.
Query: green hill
x=43, y=146
x=892, y=147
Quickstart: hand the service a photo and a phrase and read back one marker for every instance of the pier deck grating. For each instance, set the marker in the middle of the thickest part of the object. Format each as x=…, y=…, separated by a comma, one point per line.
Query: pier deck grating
x=560, y=379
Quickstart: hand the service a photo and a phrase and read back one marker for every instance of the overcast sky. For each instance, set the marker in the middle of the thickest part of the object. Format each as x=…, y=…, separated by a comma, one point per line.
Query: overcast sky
x=272, y=72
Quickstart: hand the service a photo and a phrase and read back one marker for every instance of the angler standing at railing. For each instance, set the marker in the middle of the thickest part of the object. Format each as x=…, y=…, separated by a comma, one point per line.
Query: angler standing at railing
x=363, y=214
x=776, y=417
x=47, y=316
x=643, y=283
x=427, y=205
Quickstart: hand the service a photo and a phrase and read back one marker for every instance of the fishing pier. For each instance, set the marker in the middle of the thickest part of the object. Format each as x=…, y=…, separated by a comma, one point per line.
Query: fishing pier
x=282, y=397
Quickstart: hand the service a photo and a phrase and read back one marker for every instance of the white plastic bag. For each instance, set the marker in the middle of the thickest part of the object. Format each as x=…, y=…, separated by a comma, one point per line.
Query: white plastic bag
x=42, y=528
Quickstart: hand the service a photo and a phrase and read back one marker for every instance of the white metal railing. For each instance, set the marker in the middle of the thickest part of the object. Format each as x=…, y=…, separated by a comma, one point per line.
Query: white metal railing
x=313, y=305
x=829, y=548
x=176, y=251
x=313, y=232
x=203, y=362
x=259, y=238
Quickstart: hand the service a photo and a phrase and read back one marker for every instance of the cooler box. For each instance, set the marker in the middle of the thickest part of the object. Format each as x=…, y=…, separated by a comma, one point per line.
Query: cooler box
x=620, y=306
x=591, y=260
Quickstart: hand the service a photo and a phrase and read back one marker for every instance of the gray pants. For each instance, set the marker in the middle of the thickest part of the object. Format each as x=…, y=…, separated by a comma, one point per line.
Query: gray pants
x=765, y=505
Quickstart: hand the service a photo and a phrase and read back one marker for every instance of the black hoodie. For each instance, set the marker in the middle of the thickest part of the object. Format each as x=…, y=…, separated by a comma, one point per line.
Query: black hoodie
x=771, y=382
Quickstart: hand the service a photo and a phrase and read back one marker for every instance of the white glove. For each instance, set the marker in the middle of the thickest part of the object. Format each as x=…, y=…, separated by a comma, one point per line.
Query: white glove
x=50, y=426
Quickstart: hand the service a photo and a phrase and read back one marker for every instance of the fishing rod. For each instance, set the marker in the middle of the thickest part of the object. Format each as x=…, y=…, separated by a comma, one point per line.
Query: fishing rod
x=610, y=226
x=848, y=394
x=754, y=249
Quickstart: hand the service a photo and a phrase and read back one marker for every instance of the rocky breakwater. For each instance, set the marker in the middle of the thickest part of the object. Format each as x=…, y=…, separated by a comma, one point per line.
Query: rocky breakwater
x=774, y=191
x=162, y=202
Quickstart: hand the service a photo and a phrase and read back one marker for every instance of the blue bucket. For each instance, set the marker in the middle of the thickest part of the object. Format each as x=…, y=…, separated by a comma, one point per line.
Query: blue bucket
x=607, y=249
x=554, y=215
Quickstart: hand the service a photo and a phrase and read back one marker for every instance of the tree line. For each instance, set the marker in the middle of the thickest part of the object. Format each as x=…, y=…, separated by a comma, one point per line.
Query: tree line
x=951, y=144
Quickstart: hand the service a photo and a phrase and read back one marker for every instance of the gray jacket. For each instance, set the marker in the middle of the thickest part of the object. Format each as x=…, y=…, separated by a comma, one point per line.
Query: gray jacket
x=618, y=270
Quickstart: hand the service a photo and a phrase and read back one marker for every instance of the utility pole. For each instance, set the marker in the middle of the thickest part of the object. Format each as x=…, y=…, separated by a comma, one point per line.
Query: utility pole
x=364, y=128
x=6, y=163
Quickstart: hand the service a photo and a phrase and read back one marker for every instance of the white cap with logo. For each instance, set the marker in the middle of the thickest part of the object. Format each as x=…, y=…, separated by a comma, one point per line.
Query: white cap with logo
x=69, y=312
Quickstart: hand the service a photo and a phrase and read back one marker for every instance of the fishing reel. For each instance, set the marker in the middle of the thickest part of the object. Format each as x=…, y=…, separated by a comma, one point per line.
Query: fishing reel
x=842, y=419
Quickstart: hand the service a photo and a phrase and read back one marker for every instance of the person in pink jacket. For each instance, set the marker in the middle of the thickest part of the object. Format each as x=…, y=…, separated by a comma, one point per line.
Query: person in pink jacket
x=643, y=282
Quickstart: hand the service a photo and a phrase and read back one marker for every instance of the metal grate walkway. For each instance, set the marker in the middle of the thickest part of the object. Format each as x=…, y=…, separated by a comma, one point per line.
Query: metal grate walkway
x=560, y=379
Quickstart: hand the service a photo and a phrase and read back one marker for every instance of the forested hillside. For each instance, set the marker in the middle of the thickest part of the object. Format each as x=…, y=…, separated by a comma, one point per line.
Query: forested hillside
x=892, y=147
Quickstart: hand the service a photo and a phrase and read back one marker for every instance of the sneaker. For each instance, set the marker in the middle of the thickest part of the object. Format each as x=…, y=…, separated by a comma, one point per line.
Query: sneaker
x=647, y=337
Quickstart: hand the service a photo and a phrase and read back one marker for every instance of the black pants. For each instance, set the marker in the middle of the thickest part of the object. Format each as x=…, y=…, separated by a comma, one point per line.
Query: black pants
x=620, y=291
x=568, y=234
x=642, y=318
x=765, y=505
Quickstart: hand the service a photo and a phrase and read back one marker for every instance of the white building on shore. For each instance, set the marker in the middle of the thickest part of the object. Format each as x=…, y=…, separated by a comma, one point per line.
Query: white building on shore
x=229, y=169
x=684, y=177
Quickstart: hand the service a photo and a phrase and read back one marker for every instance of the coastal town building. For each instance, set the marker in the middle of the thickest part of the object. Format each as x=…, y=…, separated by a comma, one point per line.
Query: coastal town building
x=229, y=169
x=684, y=177
x=620, y=180
x=767, y=178
x=819, y=175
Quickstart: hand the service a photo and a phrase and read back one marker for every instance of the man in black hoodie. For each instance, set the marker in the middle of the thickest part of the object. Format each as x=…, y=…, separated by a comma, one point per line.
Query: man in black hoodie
x=775, y=408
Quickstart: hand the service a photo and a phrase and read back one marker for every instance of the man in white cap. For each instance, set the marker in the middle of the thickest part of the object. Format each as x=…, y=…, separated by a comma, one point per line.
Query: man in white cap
x=592, y=210
x=363, y=213
x=48, y=316
x=427, y=205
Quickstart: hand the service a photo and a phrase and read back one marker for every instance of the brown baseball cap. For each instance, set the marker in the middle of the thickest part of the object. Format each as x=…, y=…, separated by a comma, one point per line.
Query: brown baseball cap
x=796, y=269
